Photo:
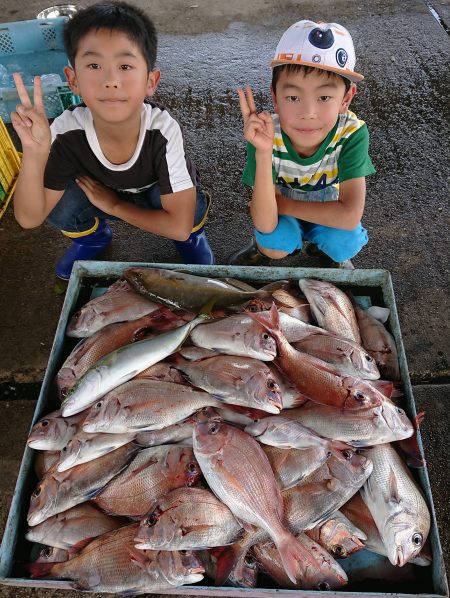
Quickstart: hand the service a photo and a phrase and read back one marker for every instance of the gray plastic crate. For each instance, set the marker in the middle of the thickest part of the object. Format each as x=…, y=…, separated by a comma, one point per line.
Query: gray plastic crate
x=369, y=287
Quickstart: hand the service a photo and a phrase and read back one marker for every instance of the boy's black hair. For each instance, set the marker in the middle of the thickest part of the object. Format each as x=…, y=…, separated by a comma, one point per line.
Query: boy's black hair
x=116, y=16
x=296, y=68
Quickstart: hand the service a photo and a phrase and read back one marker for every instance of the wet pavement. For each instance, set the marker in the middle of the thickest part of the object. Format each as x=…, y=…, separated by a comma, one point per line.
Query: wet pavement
x=206, y=50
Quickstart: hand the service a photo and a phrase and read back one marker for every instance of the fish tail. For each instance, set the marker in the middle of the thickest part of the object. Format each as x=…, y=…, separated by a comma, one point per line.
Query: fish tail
x=291, y=552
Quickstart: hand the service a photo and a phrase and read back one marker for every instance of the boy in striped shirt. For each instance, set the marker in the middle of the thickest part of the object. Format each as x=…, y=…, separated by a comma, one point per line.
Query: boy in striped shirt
x=307, y=163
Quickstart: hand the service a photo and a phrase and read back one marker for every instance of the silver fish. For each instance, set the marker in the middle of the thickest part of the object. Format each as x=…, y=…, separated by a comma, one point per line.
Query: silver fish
x=53, y=432
x=397, y=505
x=236, y=335
x=57, y=492
x=120, y=303
x=185, y=519
x=84, y=447
x=332, y=308
x=81, y=523
x=237, y=380
x=386, y=423
x=123, y=364
x=142, y=404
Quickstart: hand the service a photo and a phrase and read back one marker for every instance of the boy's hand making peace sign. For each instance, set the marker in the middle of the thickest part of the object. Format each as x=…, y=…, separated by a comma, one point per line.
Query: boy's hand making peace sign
x=30, y=122
x=258, y=128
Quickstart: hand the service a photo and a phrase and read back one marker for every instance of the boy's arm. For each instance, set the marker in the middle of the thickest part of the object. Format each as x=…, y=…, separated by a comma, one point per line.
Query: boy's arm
x=345, y=213
x=259, y=131
x=32, y=202
x=175, y=220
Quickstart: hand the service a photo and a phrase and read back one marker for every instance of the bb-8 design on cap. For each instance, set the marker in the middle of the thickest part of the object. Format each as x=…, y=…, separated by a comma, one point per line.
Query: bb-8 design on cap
x=326, y=46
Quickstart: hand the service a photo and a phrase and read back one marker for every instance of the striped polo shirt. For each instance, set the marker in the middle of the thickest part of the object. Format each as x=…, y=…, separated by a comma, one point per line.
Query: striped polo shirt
x=342, y=155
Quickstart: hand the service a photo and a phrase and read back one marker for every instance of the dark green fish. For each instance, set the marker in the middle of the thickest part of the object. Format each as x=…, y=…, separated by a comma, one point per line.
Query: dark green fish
x=187, y=291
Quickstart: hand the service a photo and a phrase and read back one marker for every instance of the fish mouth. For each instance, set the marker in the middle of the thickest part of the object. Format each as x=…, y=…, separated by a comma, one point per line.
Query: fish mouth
x=399, y=557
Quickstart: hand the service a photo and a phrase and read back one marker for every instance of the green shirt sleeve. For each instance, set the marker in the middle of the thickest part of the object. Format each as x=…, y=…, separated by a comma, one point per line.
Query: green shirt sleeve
x=354, y=160
x=248, y=174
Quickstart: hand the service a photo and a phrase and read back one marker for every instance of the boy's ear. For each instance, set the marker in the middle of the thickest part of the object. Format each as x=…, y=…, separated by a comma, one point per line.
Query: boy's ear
x=274, y=99
x=153, y=80
x=71, y=79
x=350, y=94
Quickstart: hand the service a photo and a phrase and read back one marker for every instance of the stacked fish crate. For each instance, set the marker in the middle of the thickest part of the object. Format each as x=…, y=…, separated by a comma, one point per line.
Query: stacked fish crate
x=234, y=456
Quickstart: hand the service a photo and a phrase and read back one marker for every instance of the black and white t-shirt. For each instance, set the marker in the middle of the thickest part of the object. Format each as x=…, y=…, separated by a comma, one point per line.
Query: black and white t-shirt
x=159, y=156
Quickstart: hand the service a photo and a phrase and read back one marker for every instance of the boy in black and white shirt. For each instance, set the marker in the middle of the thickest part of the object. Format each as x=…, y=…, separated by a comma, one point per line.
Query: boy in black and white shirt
x=117, y=155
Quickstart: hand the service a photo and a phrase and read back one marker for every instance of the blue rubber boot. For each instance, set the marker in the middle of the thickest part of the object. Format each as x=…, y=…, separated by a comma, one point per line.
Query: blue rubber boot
x=85, y=246
x=196, y=249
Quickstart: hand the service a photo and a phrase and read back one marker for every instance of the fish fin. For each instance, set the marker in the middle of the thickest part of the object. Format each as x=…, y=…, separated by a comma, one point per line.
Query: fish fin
x=239, y=284
x=248, y=527
x=38, y=570
x=268, y=289
x=226, y=559
x=136, y=555
x=298, y=401
x=394, y=495
x=206, y=309
x=410, y=448
x=73, y=550
x=270, y=322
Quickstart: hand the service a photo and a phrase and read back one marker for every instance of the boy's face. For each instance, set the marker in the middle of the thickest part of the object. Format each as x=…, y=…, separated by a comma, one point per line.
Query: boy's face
x=308, y=107
x=111, y=75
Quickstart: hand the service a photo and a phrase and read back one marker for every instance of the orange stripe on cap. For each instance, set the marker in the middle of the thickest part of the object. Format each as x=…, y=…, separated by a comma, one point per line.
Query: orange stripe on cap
x=343, y=72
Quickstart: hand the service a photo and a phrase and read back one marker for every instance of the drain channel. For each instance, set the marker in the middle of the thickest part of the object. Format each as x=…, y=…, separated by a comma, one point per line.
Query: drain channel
x=438, y=17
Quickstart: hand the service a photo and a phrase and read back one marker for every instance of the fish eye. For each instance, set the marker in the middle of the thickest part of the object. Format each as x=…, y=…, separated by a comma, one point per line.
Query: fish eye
x=399, y=410
x=265, y=336
x=37, y=492
x=252, y=308
x=417, y=539
x=213, y=428
x=184, y=552
x=360, y=396
x=64, y=450
x=338, y=550
x=192, y=467
x=151, y=520
x=271, y=384
x=250, y=561
x=347, y=455
x=98, y=404
x=329, y=453
x=46, y=552
x=45, y=423
x=323, y=586
x=368, y=358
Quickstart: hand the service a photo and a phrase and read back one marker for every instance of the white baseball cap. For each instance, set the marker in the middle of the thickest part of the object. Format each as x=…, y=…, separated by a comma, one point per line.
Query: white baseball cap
x=326, y=46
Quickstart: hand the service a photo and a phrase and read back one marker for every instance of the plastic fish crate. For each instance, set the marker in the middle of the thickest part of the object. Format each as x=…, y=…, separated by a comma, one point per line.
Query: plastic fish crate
x=34, y=48
x=89, y=279
x=9, y=168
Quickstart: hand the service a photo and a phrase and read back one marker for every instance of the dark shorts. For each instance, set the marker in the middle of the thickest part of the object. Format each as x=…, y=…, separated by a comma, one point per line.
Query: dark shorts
x=74, y=213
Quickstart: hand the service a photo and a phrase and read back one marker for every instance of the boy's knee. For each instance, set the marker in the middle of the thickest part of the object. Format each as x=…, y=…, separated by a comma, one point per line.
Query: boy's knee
x=341, y=245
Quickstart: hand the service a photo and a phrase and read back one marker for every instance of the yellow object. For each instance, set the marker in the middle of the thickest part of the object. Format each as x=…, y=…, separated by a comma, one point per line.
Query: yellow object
x=9, y=167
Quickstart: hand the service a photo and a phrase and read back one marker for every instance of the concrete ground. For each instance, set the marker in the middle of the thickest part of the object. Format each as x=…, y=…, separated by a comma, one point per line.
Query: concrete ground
x=206, y=50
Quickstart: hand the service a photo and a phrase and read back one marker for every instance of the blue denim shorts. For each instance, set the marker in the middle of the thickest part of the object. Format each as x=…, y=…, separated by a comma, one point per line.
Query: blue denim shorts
x=74, y=213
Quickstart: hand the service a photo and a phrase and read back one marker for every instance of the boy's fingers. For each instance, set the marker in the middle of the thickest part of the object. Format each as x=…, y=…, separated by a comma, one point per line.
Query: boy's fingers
x=243, y=104
x=38, y=97
x=21, y=91
x=251, y=100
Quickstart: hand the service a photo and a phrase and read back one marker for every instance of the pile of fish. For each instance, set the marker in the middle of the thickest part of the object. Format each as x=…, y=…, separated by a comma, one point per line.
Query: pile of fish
x=208, y=428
